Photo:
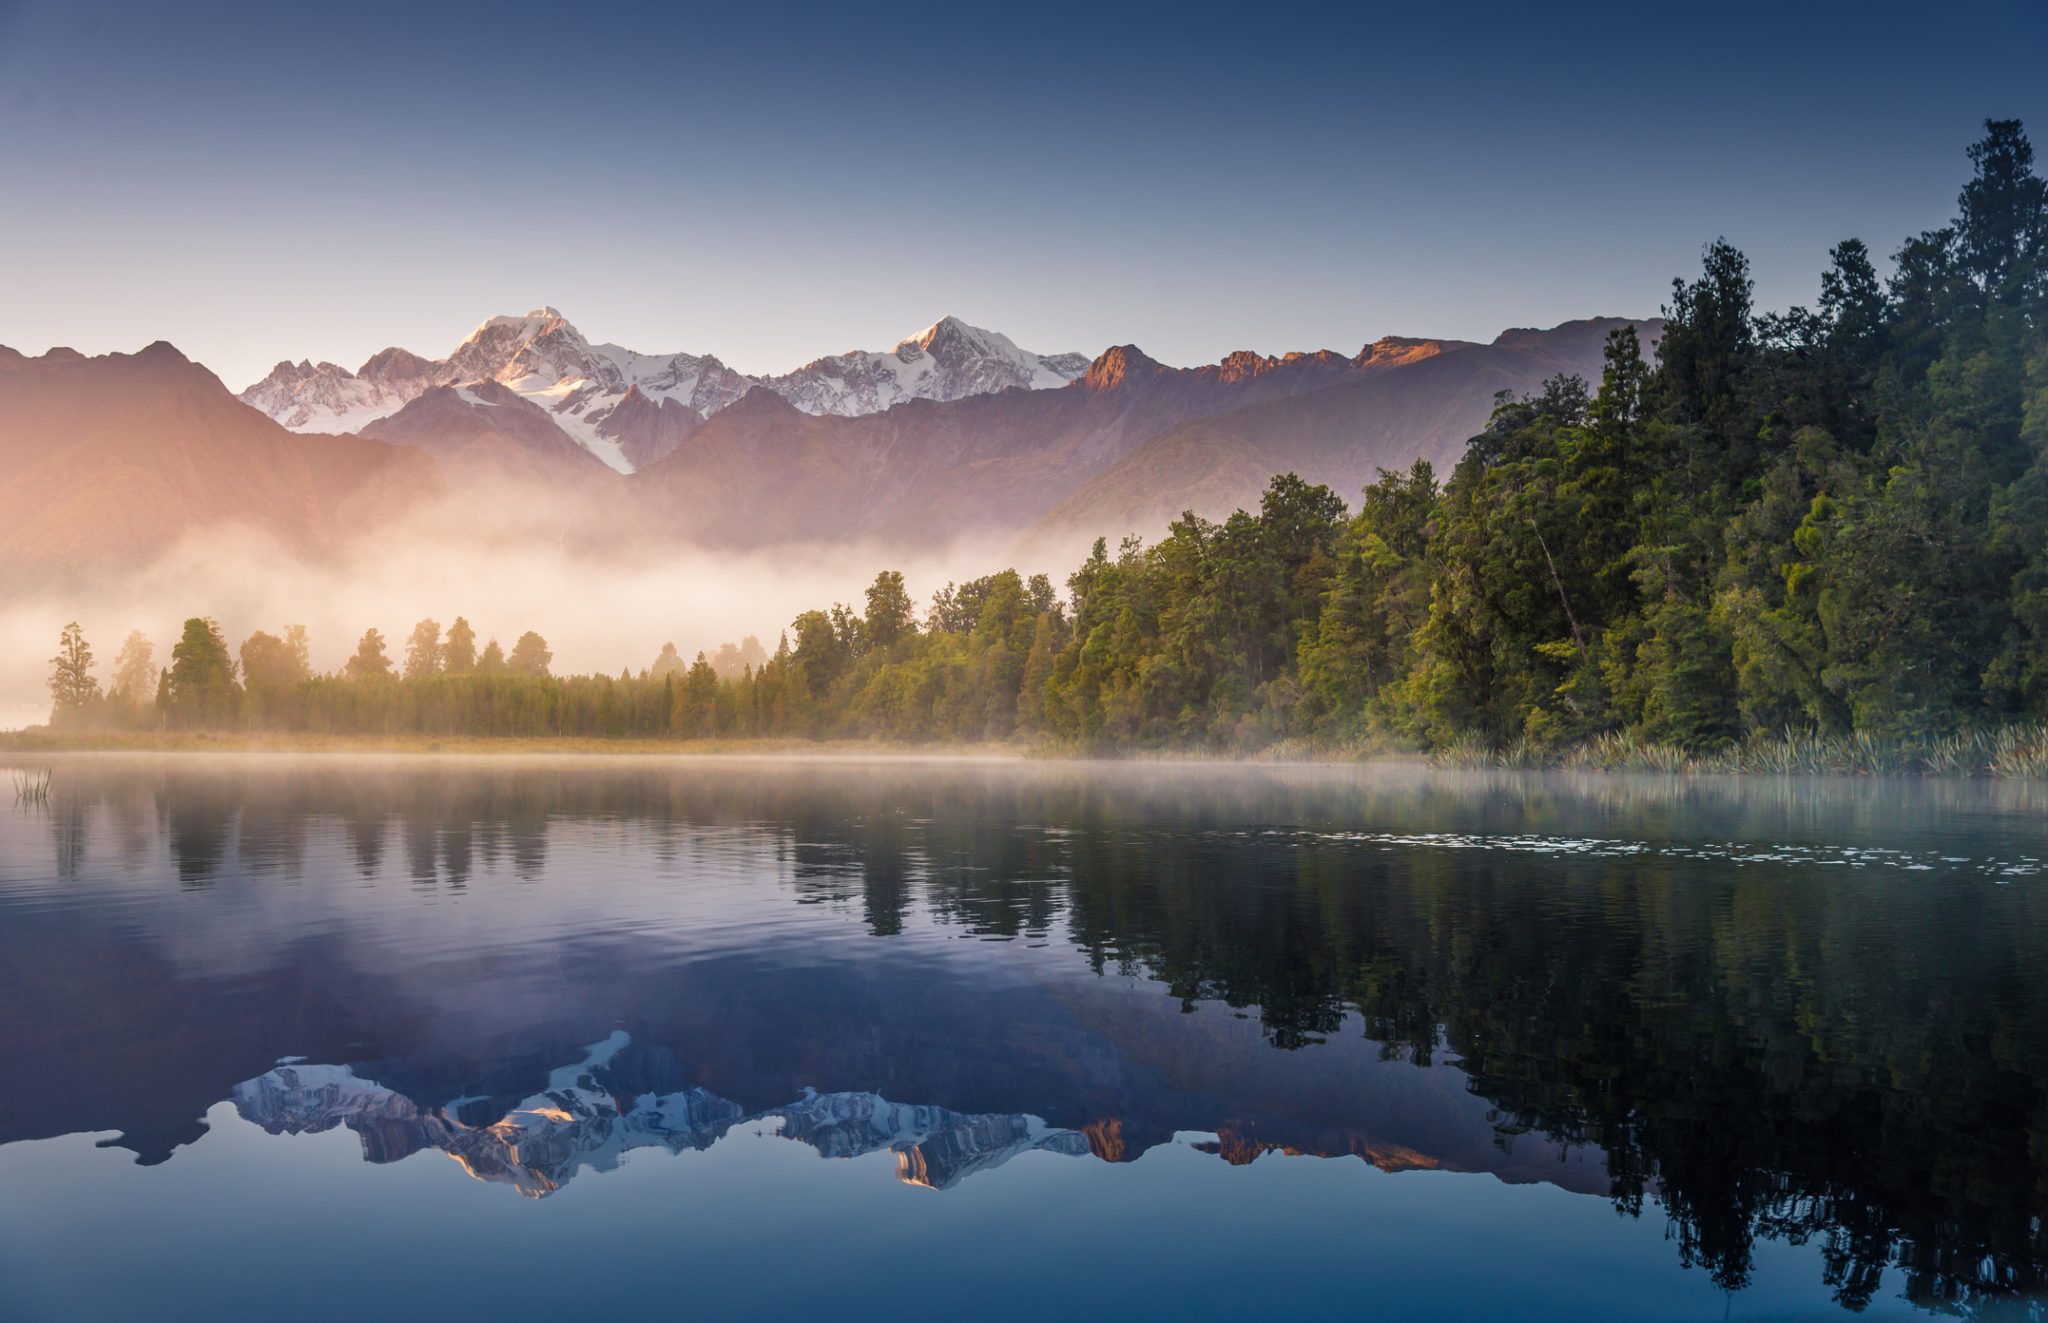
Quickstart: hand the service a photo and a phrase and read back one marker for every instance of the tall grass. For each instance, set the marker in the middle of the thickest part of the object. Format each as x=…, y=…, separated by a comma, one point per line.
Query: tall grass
x=32, y=787
x=2019, y=751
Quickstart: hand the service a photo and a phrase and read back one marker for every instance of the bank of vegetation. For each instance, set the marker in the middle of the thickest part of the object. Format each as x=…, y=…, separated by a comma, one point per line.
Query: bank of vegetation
x=1814, y=540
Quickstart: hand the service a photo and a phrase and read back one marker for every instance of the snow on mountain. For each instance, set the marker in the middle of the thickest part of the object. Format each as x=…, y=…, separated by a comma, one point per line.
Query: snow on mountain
x=947, y=360
x=323, y=397
x=629, y=408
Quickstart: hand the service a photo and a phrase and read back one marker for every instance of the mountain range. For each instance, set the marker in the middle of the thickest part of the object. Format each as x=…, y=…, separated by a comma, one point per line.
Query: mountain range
x=955, y=433
x=628, y=409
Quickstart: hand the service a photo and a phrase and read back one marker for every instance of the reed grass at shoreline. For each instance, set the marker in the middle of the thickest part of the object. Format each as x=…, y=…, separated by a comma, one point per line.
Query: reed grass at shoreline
x=2009, y=752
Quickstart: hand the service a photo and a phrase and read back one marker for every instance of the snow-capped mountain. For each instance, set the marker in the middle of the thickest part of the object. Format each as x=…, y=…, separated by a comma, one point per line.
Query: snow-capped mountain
x=947, y=360
x=326, y=397
x=628, y=408
x=613, y=1100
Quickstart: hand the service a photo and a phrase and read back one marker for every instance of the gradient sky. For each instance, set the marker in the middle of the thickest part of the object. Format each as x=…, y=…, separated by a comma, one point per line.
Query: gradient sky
x=772, y=183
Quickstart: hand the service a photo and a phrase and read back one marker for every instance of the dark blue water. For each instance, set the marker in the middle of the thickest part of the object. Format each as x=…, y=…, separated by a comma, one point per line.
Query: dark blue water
x=334, y=1038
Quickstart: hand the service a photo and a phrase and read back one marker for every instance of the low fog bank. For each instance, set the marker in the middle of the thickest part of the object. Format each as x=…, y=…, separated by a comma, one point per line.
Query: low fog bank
x=506, y=568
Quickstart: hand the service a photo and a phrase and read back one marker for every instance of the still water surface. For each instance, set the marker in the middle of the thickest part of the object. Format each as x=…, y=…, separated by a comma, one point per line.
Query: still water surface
x=512, y=1038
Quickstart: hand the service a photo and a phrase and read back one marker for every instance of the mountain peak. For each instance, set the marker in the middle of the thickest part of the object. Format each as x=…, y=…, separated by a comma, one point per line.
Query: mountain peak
x=1399, y=350
x=949, y=333
x=1119, y=364
x=924, y=338
x=538, y=322
x=1243, y=364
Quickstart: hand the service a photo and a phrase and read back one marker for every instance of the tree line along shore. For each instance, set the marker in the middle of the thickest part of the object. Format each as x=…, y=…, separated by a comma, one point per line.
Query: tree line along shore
x=1814, y=540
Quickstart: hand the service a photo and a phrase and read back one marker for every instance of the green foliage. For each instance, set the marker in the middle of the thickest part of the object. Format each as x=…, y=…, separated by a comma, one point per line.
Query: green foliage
x=199, y=691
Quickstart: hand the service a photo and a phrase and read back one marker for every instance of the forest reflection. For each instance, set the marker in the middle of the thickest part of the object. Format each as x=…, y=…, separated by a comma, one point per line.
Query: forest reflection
x=1836, y=1034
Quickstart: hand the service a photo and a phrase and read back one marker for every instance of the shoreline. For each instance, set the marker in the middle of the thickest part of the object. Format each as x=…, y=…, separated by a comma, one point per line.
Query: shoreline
x=32, y=742
x=1795, y=757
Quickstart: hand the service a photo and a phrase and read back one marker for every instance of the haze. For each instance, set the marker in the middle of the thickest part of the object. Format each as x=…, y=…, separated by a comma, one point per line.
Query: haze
x=598, y=613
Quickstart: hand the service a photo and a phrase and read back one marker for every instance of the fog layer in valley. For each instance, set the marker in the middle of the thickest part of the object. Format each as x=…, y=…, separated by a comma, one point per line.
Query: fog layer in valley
x=504, y=561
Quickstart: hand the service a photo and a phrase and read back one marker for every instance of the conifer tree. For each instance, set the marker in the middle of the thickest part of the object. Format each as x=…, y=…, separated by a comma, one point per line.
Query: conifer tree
x=74, y=692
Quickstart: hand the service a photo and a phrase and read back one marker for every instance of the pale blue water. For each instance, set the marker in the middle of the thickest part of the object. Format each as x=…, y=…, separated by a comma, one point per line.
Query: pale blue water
x=337, y=1038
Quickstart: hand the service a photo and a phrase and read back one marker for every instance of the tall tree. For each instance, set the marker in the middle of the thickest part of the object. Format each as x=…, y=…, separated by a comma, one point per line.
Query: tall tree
x=370, y=660
x=135, y=670
x=530, y=655
x=696, y=714
x=891, y=614
x=423, y=651
x=458, y=653
x=73, y=690
x=269, y=662
x=200, y=689
x=2002, y=232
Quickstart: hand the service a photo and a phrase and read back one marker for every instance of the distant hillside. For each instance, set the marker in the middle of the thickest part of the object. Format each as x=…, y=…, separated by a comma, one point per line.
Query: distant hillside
x=488, y=430
x=1128, y=445
x=1341, y=435
x=104, y=462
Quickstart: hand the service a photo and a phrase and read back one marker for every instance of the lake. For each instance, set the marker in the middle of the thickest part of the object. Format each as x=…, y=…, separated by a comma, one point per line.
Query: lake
x=342, y=1038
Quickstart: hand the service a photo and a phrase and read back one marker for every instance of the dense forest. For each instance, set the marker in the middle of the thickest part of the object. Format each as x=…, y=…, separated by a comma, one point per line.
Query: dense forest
x=1822, y=529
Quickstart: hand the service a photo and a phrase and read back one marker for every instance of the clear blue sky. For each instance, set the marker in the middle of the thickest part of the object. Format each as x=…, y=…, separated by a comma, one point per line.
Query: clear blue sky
x=772, y=183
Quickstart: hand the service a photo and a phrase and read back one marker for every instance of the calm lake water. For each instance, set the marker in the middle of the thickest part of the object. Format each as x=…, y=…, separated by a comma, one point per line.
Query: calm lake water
x=503, y=1038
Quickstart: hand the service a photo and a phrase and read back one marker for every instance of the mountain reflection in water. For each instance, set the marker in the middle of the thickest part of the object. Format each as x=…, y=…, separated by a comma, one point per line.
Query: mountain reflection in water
x=593, y=1112
x=1762, y=1010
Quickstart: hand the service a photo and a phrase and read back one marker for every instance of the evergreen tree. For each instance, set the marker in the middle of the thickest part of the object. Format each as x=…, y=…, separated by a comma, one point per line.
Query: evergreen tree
x=530, y=656
x=423, y=651
x=74, y=692
x=891, y=615
x=696, y=713
x=370, y=660
x=458, y=653
x=2002, y=231
x=200, y=690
